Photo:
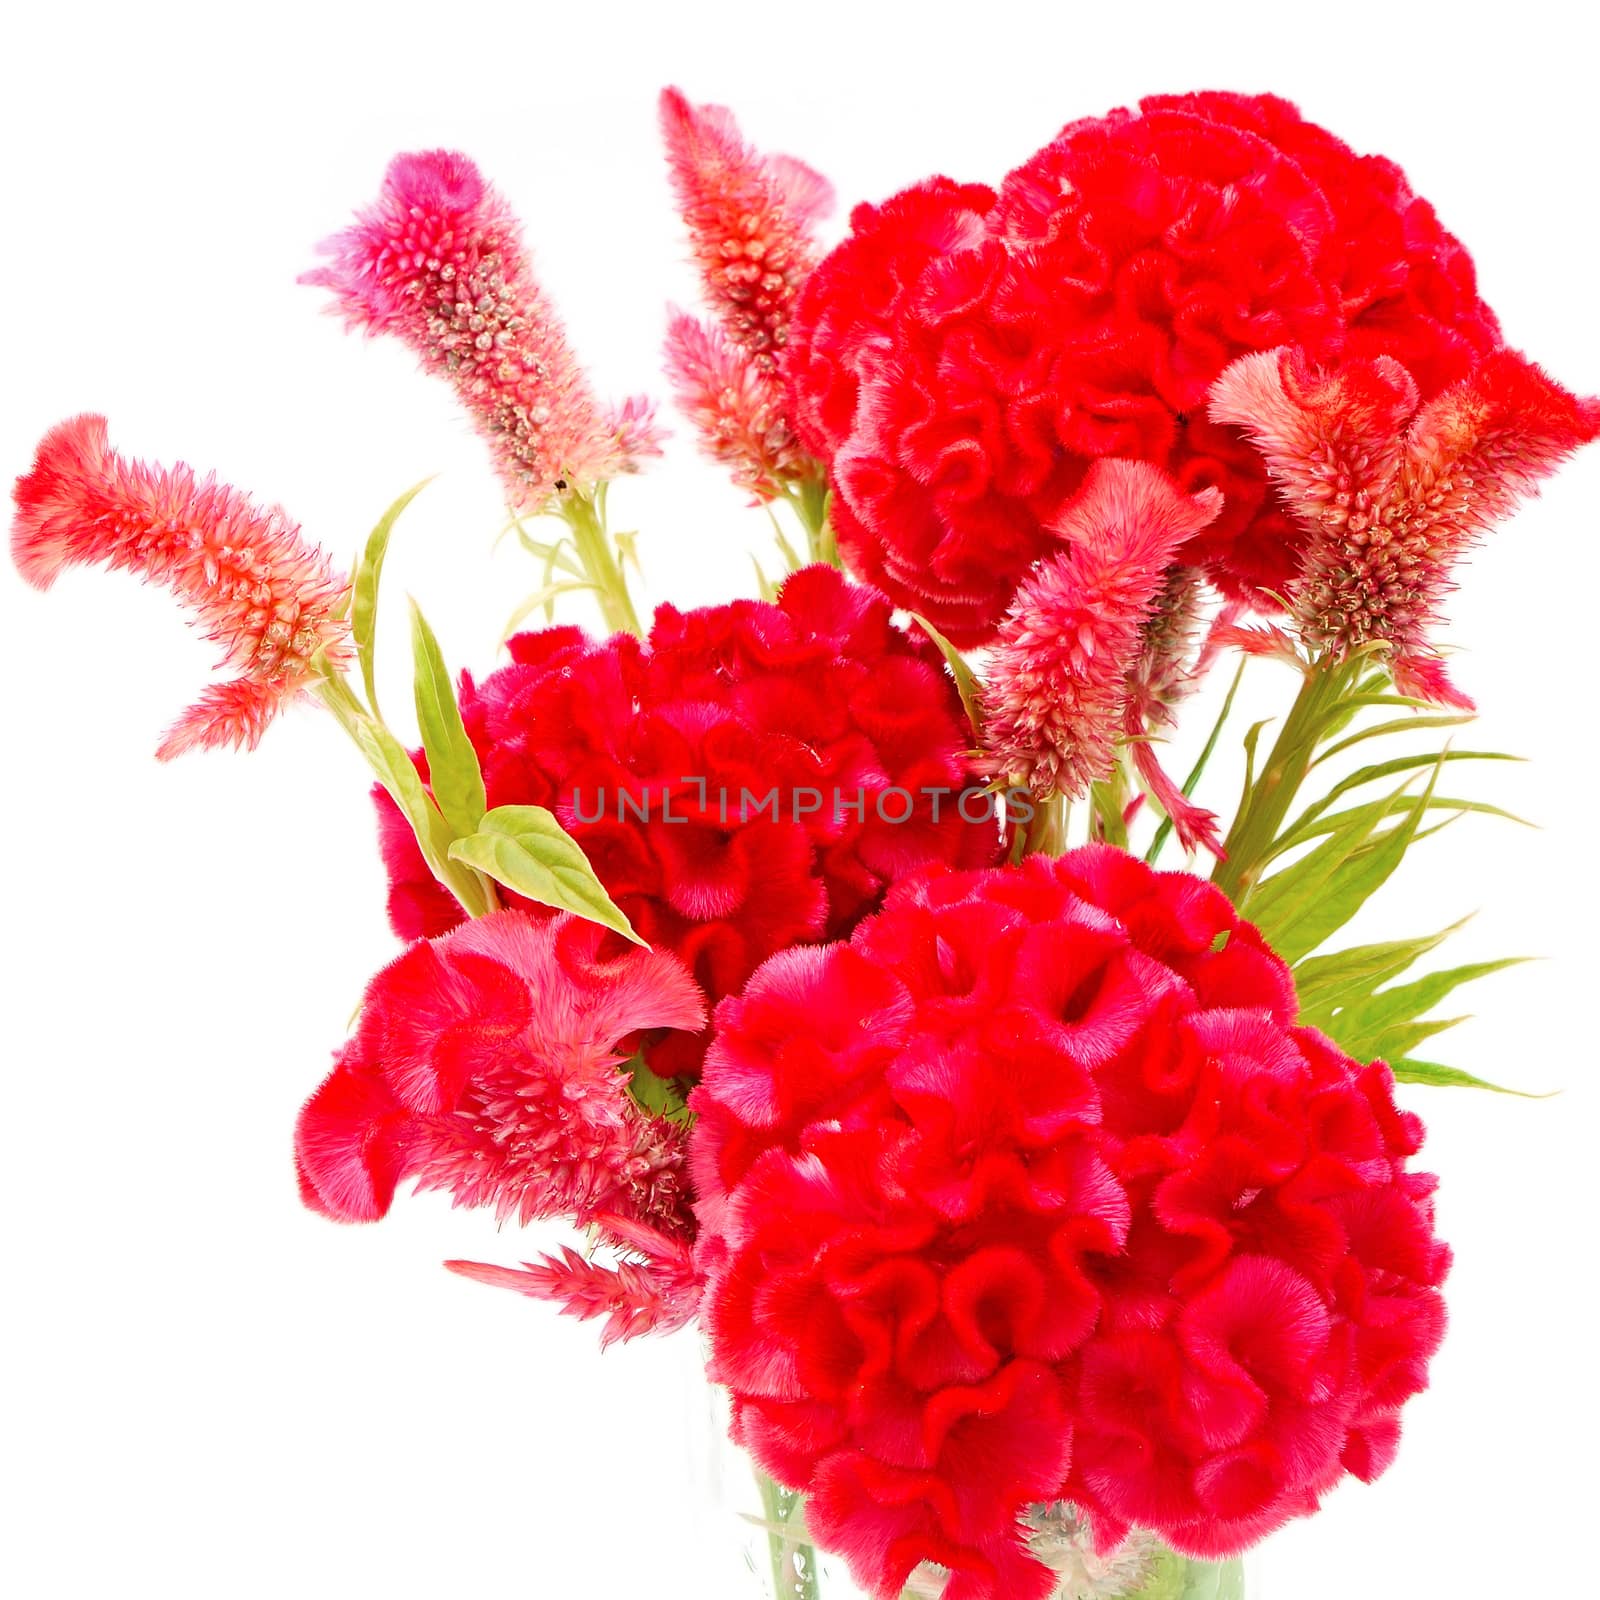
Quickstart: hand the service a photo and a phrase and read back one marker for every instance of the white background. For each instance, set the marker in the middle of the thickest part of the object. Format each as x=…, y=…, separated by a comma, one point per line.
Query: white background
x=209, y=1392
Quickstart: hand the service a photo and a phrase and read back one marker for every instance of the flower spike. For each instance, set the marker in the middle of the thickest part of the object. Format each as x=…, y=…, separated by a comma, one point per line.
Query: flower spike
x=271, y=600
x=438, y=260
x=1059, y=688
x=749, y=217
x=1393, y=492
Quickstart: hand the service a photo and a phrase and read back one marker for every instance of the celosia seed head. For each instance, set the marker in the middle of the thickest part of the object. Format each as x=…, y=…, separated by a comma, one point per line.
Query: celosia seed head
x=272, y=601
x=1033, y=1191
x=1392, y=489
x=1058, y=685
x=438, y=261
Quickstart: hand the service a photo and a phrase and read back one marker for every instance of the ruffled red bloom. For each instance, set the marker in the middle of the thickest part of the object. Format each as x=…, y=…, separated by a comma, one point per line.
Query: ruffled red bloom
x=963, y=357
x=754, y=776
x=1031, y=1191
x=485, y=1063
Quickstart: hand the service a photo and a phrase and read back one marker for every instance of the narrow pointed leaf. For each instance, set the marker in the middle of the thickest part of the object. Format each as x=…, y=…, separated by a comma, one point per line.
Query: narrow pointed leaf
x=527, y=850
x=364, y=588
x=1326, y=982
x=1192, y=782
x=960, y=670
x=1365, y=1025
x=1389, y=769
x=453, y=772
x=1432, y=1072
x=1303, y=832
x=1397, y=725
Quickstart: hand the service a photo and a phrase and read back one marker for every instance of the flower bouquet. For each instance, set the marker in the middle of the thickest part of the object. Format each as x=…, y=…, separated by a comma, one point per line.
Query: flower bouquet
x=1046, y=1211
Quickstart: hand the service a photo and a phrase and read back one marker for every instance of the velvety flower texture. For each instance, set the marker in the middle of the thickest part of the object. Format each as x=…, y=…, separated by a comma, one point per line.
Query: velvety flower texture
x=438, y=261
x=747, y=720
x=751, y=219
x=1034, y=1191
x=272, y=601
x=486, y=1063
x=1057, y=695
x=1393, y=491
x=965, y=354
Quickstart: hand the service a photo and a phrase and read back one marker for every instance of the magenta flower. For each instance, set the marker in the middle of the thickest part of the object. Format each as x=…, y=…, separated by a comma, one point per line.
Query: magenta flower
x=271, y=600
x=438, y=260
x=1391, y=491
x=1060, y=686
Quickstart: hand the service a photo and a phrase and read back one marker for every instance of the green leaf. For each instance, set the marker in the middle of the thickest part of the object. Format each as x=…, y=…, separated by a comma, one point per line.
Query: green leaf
x=1303, y=832
x=1389, y=769
x=1432, y=1072
x=1303, y=888
x=527, y=850
x=1375, y=1026
x=545, y=597
x=1324, y=983
x=961, y=671
x=364, y=588
x=660, y=1097
x=453, y=772
x=1380, y=730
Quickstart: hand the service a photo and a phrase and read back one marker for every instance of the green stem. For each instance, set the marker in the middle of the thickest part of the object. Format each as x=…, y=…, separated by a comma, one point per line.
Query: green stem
x=585, y=515
x=1266, y=803
x=809, y=497
x=1047, y=833
x=1192, y=782
x=1109, y=801
x=794, y=1560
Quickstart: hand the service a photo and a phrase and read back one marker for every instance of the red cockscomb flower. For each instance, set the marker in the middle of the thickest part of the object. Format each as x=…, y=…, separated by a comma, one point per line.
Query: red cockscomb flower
x=962, y=358
x=1393, y=491
x=438, y=260
x=1034, y=1191
x=271, y=600
x=753, y=776
x=489, y=1063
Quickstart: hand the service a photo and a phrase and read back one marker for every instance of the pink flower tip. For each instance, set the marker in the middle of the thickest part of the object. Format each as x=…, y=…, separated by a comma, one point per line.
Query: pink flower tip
x=271, y=600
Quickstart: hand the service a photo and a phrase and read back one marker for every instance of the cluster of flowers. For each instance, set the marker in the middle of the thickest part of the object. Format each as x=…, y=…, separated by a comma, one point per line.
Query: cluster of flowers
x=992, y=1184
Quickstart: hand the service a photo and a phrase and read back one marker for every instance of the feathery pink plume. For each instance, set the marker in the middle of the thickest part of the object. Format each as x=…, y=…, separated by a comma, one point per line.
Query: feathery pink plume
x=736, y=405
x=1058, y=691
x=652, y=1288
x=1393, y=492
x=257, y=588
x=438, y=260
x=749, y=218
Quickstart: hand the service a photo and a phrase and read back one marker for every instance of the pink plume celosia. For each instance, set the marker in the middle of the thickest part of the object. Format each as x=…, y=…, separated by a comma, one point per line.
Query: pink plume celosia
x=1391, y=491
x=653, y=1288
x=487, y=1063
x=1060, y=691
x=749, y=218
x=438, y=260
x=737, y=406
x=271, y=600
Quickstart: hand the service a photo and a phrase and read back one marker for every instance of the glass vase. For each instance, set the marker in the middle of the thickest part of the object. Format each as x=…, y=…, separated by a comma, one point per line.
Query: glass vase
x=783, y=1564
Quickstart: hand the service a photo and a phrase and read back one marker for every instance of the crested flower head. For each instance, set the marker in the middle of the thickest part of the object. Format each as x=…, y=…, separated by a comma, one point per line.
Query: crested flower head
x=749, y=218
x=1067, y=662
x=753, y=776
x=486, y=1063
x=964, y=356
x=438, y=261
x=1392, y=489
x=272, y=601
x=1033, y=1191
